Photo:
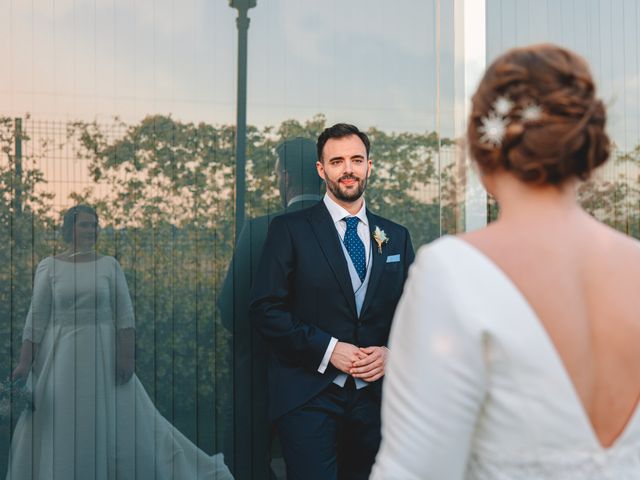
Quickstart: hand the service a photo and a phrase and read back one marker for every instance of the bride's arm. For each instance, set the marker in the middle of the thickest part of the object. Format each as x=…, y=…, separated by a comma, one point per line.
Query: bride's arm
x=125, y=355
x=27, y=354
x=125, y=325
x=435, y=380
x=37, y=319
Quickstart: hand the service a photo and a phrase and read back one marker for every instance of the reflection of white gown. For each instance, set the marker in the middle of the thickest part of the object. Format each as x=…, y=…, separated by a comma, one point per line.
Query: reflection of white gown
x=475, y=389
x=84, y=426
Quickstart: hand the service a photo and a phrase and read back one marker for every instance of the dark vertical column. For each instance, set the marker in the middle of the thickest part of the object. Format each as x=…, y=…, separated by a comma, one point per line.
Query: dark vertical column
x=241, y=116
x=17, y=199
x=239, y=458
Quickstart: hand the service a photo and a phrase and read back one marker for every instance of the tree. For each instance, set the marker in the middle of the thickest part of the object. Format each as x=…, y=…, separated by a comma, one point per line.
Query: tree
x=25, y=234
x=168, y=207
x=613, y=194
x=164, y=190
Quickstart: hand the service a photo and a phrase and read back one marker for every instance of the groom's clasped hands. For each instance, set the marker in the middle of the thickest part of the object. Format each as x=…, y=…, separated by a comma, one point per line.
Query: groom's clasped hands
x=366, y=363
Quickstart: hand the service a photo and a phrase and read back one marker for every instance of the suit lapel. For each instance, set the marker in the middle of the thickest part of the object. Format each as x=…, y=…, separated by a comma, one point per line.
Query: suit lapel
x=329, y=241
x=377, y=268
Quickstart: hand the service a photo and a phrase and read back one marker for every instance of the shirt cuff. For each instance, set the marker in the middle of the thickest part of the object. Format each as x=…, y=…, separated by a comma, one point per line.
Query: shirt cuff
x=327, y=355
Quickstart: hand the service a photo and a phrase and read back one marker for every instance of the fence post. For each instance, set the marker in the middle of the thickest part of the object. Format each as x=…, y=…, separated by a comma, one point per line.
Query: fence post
x=17, y=199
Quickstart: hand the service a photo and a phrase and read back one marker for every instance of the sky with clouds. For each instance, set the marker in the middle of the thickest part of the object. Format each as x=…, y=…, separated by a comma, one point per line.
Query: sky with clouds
x=370, y=62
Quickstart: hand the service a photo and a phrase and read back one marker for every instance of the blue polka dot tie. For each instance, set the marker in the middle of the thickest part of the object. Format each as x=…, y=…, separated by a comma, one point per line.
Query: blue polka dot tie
x=355, y=247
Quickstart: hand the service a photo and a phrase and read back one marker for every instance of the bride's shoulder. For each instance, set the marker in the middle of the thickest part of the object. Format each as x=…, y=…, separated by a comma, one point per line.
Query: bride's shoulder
x=447, y=247
x=622, y=242
x=615, y=252
x=446, y=254
x=445, y=279
x=109, y=261
x=45, y=263
x=435, y=249
x=457, y=262
x=445, y=242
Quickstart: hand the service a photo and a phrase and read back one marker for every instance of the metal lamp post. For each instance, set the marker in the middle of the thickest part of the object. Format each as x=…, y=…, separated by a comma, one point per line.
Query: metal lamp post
x=239, y=452
x=242, y=22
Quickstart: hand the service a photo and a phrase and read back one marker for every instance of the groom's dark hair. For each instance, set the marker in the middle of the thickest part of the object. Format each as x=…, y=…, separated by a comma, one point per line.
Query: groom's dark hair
x=297, y=157
x=341, y=130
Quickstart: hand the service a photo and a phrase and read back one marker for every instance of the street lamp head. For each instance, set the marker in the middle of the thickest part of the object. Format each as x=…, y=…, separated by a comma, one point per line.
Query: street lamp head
x=242, y=4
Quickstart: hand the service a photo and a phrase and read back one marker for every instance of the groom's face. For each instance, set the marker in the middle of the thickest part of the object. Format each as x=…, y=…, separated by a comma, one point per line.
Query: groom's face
x=345, y=168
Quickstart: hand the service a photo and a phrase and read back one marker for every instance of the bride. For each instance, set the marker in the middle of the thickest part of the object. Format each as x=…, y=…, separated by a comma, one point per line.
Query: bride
x=93, y=420
x=515, y=348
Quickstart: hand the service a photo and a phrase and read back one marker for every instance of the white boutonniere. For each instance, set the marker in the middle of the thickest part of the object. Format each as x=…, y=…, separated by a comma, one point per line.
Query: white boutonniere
x=380, y=237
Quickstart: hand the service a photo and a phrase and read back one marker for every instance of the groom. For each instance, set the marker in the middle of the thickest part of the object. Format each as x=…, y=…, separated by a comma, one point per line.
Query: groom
x=324, y=295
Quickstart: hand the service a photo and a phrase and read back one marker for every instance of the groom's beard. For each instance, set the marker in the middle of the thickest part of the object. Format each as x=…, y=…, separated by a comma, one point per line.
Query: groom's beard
x=341, y=193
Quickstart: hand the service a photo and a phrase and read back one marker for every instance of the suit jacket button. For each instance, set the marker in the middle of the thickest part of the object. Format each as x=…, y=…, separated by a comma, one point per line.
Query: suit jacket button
x=359, y=324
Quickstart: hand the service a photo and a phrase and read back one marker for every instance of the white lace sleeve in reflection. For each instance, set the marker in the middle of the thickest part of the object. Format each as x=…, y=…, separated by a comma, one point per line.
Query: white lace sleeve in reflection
x=40, y=309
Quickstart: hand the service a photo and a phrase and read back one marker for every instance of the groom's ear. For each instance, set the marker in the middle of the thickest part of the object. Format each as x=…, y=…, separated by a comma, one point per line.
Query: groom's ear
x=320, y=169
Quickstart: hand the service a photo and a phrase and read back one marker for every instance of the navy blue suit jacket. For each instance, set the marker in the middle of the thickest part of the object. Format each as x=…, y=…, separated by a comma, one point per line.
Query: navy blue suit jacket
x=302, y=296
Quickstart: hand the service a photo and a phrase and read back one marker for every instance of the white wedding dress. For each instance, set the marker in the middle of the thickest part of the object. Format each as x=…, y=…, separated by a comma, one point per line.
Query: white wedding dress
x=84, y=427
x=475, y=389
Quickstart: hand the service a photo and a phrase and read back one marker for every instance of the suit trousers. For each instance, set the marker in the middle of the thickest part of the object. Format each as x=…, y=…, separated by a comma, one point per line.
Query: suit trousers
x=334, y=436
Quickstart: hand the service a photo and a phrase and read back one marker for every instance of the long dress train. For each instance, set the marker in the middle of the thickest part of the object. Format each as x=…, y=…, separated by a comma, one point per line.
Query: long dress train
x=84, y=426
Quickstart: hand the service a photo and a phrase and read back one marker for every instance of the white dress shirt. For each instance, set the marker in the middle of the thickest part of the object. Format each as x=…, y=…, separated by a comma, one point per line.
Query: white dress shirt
x=338, y=213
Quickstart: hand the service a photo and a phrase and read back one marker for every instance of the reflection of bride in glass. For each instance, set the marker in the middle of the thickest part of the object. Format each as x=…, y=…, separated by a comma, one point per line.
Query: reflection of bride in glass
x=92, y=418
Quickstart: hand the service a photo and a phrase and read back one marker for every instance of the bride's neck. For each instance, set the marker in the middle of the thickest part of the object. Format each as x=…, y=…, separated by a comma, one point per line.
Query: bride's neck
x=532, y=205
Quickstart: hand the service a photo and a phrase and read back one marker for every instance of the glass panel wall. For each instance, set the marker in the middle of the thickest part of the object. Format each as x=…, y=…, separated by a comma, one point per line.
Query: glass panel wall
x=606, y=33
x=137, y=323
x=130, y=108
x=387, y=67
x=123, y=107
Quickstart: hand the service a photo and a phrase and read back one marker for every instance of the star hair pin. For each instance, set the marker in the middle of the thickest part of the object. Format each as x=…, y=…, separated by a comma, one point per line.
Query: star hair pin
x=493, y=129
x=502, y=106
x=494, y=125
x=531, y=113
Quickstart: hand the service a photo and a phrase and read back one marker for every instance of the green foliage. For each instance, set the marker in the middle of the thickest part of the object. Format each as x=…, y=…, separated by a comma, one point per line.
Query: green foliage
x=164, y=190
x=24, y=233
x=169, y=203
x=615, y=199
x=159, y=170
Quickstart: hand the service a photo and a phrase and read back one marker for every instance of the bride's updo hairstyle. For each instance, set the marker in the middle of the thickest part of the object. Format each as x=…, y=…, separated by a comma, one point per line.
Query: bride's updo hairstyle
x=535, y=114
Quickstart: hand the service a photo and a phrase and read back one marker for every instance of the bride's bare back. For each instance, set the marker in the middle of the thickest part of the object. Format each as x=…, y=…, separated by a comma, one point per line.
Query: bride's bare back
x=581, y=278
